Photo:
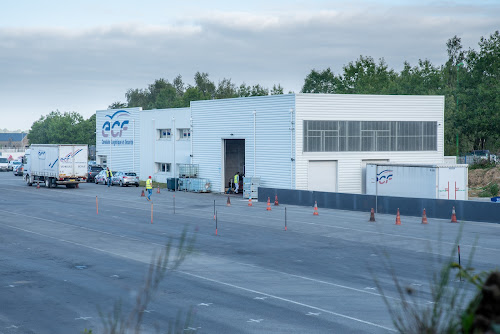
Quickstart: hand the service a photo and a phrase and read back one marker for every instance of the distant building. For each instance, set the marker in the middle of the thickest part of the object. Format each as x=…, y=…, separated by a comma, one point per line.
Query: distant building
x=13, y=140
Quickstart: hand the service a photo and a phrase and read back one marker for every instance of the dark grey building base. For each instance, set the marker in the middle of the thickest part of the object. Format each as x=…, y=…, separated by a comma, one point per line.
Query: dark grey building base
x=435, y=208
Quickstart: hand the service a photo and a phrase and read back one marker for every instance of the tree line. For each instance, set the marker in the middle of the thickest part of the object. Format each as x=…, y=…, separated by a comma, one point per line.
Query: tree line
x=469, y=81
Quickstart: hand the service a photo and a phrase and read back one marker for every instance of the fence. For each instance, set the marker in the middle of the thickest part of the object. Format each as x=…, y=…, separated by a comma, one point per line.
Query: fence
x=435, y=208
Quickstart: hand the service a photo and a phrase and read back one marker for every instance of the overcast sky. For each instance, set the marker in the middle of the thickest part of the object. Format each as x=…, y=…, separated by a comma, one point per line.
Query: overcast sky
x=83, y=55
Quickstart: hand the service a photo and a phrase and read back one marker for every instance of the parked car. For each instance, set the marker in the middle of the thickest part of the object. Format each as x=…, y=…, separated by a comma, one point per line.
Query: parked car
x=125, y=179
x=18, y=170
x=92, y=172
x=13, y=164
x=102, y=178
x=4, y=164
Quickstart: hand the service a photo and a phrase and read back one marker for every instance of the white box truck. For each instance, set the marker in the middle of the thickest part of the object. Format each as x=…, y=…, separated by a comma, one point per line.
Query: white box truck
x=54, y=165
x=418, y=181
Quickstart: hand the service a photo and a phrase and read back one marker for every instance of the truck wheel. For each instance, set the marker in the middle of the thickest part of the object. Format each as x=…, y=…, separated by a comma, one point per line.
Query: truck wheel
x=28, y=183
x=48, y=184
x=136, y=185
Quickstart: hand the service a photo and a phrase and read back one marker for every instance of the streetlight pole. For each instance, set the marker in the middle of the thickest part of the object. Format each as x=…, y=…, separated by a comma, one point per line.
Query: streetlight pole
x=456, y=127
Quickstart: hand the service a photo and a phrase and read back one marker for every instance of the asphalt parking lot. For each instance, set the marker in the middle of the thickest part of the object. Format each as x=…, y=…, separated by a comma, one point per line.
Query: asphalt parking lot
x=61, y=261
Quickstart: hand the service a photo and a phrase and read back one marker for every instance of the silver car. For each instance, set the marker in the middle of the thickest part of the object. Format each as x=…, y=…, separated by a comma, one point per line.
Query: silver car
x=125, y=179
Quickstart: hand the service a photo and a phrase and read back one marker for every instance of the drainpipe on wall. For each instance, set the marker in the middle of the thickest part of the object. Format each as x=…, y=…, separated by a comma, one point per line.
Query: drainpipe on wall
x=254, y=142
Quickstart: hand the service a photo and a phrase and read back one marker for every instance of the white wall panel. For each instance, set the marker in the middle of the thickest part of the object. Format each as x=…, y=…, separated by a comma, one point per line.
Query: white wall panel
x=123, y=127
x=364, y=108
x=216, y=120
x=155, y=150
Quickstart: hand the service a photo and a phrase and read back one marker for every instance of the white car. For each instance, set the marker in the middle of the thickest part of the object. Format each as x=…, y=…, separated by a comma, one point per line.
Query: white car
x=13, y=164
x=4, y=164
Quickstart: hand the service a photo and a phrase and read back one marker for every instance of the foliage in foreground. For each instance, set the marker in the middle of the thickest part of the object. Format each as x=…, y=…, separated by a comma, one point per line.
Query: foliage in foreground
x=117, y=322
x=448, y=313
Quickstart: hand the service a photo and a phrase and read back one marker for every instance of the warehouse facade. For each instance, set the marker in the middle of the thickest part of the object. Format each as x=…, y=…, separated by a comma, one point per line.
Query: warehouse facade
x=296, y=141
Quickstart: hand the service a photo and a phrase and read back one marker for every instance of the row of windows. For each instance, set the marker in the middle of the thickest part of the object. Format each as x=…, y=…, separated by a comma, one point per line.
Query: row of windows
x=182, y=134
x=341, y=136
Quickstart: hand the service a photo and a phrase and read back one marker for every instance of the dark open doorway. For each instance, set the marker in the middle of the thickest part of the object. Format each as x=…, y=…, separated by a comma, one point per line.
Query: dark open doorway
x=234, y=160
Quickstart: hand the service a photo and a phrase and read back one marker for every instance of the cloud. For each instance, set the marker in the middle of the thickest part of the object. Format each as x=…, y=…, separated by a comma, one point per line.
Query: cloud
x=84, y=69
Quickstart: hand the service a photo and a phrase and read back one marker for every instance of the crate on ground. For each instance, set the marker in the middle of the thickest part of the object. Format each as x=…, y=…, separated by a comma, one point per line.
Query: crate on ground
x=199, y=185
x=188, y=170
x=251, y=187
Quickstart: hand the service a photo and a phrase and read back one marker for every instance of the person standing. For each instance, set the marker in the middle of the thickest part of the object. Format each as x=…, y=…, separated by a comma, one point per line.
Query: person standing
x=236, y=182
x=149, y=187
x=109, y=175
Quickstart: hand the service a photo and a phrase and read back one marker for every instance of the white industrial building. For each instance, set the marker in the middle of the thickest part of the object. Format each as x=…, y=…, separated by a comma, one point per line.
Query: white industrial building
x=148, y=142
x=314, y=141
x=295, y=141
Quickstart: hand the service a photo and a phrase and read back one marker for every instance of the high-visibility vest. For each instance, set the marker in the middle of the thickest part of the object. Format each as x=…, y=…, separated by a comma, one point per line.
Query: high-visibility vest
x=236, y=179
x=109, y=173
x=149, y=184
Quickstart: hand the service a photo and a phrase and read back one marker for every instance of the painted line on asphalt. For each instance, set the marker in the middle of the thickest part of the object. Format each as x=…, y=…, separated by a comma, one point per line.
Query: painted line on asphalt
x=290, y=301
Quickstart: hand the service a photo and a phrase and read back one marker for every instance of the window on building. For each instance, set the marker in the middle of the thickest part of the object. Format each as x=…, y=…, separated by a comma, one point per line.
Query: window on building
x=341, y=136
x=184, y=134
x=162, y=167
x=163, y=134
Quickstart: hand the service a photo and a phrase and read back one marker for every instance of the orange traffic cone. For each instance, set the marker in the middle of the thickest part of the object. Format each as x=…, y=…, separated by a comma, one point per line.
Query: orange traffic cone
x=315, y=213
x=453, y=216
x=38, y=185
x=142, y=194
x=276, y=200
x=372, y=215
x=158, y=191
x=268, y=204
x=398, y=218
x=250, y=201
x=424, y=218
x=228, y=201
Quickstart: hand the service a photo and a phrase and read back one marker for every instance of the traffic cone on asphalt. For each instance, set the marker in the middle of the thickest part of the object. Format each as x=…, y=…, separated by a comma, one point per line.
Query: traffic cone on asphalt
x=315, y=213
x=38, y=185
x=453, y=216
x=158, y=191
x=268, y=204
x=276, y=201
x=398, y=218
x=372, y=215
x=228, y=201
x=142, y=194
x=250, y=201
x=424, y=218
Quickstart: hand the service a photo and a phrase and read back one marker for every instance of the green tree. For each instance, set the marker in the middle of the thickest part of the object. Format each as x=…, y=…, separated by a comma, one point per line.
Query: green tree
x=204, y=85
x=117, y=105
x=63, y=128
x=321, y=82
x=277, y=90
x=226, y=89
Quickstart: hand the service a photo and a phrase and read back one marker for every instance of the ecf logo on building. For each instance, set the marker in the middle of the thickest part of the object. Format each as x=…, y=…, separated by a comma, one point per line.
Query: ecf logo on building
x=115, y=123
x=384, y=176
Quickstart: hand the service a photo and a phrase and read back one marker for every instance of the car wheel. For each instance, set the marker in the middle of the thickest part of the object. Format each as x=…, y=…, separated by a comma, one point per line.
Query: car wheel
x=96, y=181
x=137, y=184
x=121, y=184
x=28, y=183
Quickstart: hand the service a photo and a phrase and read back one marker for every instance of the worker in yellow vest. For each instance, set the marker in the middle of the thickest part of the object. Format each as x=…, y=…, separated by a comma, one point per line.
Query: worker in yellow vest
x=236, y=182
x=149, y=187
x=109, y=175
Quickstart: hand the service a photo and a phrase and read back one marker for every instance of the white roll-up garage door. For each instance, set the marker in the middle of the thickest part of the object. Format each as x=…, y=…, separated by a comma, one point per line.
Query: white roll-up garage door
x=322, y=176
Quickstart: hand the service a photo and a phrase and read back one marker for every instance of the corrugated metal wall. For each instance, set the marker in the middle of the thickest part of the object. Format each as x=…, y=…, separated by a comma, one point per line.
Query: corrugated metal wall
x=216, y=120
x=364, y=108
x=155, y=150
x=123, y=154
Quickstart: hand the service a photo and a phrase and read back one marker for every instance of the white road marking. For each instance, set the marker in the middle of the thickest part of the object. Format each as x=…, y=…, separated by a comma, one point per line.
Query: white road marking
x=260, y=298
x=205, y=304
x=255, y=320
x=114, y=276
x=83, y=318
x=416, y=284
x=192, y=328
x=370, y=288
x=10, y=286
x=313, y=313
x=213, y=280
x=148, y=311
x=12, y=326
